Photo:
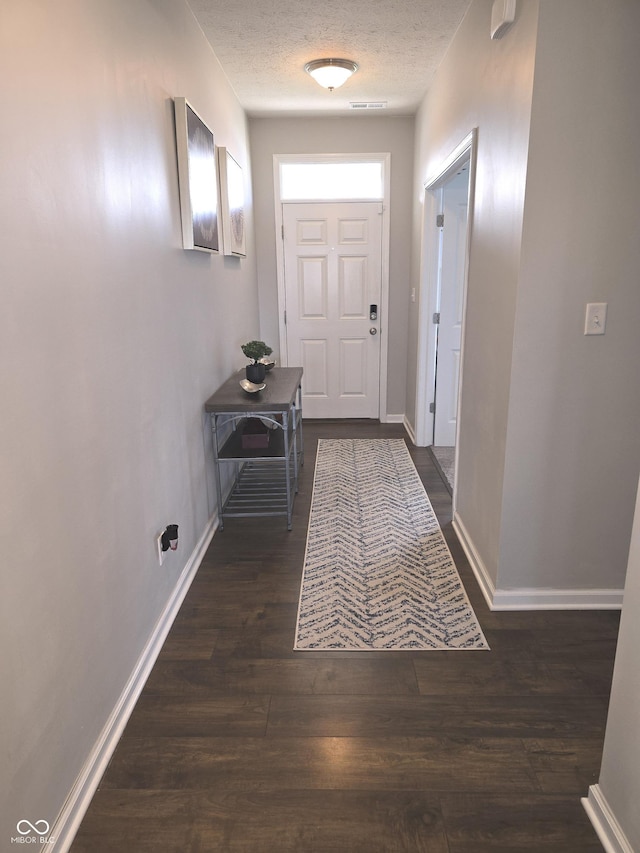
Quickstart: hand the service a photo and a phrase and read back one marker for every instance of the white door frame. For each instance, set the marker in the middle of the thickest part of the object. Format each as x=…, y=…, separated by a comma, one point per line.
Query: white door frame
x=466, y=151
x=384, y=159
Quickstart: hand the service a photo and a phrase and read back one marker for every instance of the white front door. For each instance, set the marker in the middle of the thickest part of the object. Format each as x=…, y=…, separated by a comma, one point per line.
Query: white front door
x=333, y=274
x=452, y=271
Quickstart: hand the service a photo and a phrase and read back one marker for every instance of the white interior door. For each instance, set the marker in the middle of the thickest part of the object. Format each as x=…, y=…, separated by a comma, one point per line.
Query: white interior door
x=332, y=274
x=452, y=282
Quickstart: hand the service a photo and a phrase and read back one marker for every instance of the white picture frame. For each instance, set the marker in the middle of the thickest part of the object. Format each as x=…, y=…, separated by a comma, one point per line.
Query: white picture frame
x=232, y=207
x=197, y=179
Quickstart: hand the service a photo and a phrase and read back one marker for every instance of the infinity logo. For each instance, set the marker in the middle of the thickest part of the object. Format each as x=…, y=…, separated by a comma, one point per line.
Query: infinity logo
x=40, y=827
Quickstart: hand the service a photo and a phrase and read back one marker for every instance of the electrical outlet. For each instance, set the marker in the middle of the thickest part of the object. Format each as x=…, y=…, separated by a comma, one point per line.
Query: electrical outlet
x=596, y=318
x=161, y=553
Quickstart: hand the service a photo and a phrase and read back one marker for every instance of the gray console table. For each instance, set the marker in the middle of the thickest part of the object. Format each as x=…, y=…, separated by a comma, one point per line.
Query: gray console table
x=266, y=479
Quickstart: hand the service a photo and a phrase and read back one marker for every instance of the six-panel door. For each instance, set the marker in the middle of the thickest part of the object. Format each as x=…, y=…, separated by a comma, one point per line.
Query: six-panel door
x=332, y=259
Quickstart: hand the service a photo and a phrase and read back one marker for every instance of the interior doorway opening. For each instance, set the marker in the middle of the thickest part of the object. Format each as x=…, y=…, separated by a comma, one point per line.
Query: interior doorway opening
x=445, y=251
x=452, y=224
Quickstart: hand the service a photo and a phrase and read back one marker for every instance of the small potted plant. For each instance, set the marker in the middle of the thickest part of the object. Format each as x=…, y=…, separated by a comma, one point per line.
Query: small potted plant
x=256, y=350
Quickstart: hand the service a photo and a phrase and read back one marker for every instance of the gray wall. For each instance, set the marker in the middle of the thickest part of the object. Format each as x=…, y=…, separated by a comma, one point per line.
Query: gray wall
x=485, y=84
x=620, y=773
x=353, y=134
x=573, y=444
x=111, y=338
x=549, y=422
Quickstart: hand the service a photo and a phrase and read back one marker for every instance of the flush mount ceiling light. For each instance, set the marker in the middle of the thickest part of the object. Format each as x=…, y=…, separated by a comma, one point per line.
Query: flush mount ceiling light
x=331, y=73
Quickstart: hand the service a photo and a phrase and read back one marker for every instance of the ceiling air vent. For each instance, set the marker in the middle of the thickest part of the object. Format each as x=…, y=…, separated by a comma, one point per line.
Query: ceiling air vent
x=368, y=105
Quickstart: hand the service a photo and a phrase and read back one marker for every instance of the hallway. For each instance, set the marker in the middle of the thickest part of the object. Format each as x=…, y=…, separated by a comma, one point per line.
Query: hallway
x=240, y=744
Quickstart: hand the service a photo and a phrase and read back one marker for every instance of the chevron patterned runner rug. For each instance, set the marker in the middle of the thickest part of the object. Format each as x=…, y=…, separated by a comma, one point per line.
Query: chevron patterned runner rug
x=378, y=574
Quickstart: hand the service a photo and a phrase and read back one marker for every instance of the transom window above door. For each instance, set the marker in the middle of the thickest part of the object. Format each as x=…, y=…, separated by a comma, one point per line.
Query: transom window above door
x=334, y=180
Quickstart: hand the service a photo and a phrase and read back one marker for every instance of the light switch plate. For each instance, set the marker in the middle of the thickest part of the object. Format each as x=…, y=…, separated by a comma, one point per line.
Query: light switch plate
x=595, y=318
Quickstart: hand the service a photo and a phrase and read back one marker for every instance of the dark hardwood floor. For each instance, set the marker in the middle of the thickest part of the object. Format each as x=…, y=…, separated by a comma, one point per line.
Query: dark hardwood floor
x=238, y=743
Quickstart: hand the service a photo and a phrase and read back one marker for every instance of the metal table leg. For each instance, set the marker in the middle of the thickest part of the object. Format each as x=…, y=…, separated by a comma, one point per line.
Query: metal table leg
x=216, y=465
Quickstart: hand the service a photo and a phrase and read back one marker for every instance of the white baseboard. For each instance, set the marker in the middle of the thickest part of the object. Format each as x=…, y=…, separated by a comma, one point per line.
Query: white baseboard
x=475, y=561
x=392, y=419
x=604, y=822
x=532, y=598
x=409, y=428
x=557, y=599
x=79, y=798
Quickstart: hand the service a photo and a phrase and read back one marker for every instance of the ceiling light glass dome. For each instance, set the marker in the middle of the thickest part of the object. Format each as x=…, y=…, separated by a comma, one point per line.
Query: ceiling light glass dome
x=331, y=73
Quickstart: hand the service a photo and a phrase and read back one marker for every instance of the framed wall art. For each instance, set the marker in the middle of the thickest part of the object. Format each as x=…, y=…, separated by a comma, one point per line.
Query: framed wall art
x=231, y=204
x=197, y=179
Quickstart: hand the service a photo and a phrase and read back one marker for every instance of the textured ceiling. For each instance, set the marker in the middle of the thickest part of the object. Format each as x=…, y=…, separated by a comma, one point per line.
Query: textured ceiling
x=263, y=46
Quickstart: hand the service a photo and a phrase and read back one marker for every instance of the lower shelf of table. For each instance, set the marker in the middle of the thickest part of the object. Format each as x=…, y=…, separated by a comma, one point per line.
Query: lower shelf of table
x=260, y=490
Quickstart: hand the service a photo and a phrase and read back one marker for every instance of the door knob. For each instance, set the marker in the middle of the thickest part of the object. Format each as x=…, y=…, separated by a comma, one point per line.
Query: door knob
x=373, y=331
